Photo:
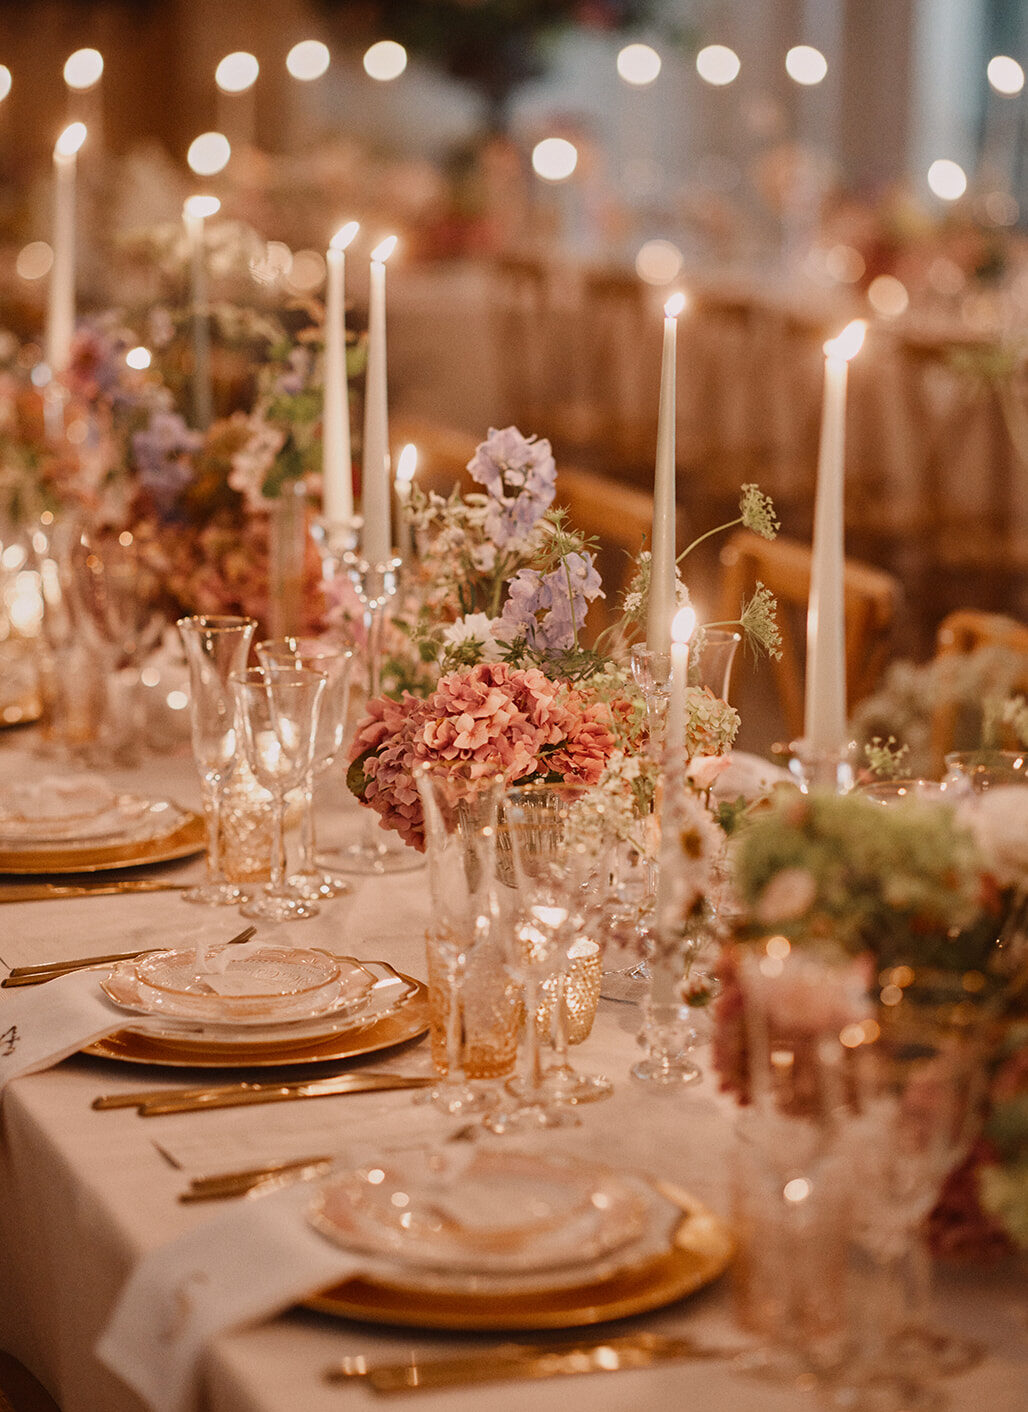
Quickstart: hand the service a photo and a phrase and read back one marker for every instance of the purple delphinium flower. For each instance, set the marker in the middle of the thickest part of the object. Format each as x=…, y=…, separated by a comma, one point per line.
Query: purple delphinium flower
x=519, y=474
x=561, y=597
x=163, y=451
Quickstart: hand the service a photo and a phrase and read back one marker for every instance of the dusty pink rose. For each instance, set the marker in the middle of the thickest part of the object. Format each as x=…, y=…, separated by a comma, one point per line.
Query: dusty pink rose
x=787, y=896
x=704, y=769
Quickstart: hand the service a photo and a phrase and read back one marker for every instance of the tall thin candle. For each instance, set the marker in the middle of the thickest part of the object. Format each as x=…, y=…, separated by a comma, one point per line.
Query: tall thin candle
x=377, y=544
x=661, y=603
x=337, y=469
x=406, y=465
x=194, y=213
x=665, y=974
x=825, y=718
x=60, y=325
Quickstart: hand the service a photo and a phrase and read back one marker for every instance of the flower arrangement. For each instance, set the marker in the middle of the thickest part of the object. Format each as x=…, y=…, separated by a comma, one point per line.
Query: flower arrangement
x=504, y=585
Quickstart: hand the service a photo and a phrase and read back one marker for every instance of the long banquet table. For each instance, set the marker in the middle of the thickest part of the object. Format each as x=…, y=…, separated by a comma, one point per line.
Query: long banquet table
x=84, y=1194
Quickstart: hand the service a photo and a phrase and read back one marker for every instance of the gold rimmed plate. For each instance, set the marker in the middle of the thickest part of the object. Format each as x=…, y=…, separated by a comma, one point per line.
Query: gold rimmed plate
x=190, y=837
x=409, y=1022
x=700, y=1251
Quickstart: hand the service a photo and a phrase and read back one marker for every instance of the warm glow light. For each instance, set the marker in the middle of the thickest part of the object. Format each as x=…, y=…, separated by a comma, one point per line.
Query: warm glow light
x=308, y=60
x=849, y=342
x=947, y=179
x=718, y=65
x=383, y=250
x=5, y=81
x=658, y=262
x=344, y=235
x=199, y=207
x=407, y=464
x=796, y=1190
x=888, y=296
x=385, y=60
x=805, y=64
x=34, y=260
x=675, y=305
x=83, y=69
x=554, y=159
x=307, y=272
x=138, y=358
x=638, y=64
x=237, y=72
x=1006, y=75
x=209, y=153
x=845, y=264
x=683, y=624
x=70, y=140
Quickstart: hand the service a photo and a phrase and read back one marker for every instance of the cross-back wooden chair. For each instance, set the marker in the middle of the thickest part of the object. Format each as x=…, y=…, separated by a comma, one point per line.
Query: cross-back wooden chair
x=960, y=633
x=871, y=598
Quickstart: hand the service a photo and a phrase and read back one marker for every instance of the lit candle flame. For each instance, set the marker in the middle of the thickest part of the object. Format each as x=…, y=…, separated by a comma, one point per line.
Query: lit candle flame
x=849, y=342
x=407, y=464
x=382, y=251
x=675, y=305
x=683, y=624
x=201, y=206
x=70, y=140
x=344, y=236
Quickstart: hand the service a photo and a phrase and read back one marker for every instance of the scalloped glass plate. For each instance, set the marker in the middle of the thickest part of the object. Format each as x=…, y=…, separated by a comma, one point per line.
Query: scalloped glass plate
x=272, y=984
x=384, y=992
x=489, y=1222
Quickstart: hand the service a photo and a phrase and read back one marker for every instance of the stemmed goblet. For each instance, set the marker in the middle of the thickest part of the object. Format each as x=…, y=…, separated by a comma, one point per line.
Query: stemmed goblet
x=215, y=648
x=311, y=881
x=278, y=720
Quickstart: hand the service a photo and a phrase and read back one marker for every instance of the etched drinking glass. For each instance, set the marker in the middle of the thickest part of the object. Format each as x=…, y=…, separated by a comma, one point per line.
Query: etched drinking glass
x=215, y=648
x=311, y=880
x=278, y=722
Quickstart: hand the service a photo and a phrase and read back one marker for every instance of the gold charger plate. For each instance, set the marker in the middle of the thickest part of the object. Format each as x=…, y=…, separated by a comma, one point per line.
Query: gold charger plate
x=409, y=1022
x=701, y=1250
x=190, y=837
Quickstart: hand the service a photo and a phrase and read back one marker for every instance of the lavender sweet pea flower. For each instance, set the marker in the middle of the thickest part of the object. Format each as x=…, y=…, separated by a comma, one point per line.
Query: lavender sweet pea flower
x=519, y=475
x=162, y=451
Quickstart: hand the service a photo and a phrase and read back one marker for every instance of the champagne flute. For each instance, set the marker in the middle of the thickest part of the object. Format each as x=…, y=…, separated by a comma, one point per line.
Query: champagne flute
x=215, y=647
x=311, y=881
x=278, y=720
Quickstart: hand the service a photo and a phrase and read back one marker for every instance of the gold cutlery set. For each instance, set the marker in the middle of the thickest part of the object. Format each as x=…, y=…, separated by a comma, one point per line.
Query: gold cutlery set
x=524, y=1362
x=154, y=1103
x=46, y=892
x=50, y=970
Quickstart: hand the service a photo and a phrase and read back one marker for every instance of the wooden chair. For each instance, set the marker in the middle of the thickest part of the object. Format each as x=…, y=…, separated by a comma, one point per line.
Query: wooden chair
x=871, y=599
x=959, y=634
x=20, y=1391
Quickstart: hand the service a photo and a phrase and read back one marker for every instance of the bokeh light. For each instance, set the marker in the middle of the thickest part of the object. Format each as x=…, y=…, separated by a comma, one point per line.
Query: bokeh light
x=888, y=296
x=83, y=69
x=209, y=153
x=385, y=60
x=638, y=64
x=306, y=273
x=237, y=72
x=658, y=262
x=554, y=158
x=70, y=140
x=718, y=65
x=5, y=81
x=1006, y=75
x=34, y=260
x=308, y=60
x=200, y=207
x=805, y=64
x=138, y=358
x=844, y=264
x=947, y=179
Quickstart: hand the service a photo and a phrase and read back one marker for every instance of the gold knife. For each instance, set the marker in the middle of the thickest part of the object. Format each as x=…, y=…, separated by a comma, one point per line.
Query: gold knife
x=236, y=1095
x=231, y=1184
x=525, y=1362
x=43, y=892
x=48, y=970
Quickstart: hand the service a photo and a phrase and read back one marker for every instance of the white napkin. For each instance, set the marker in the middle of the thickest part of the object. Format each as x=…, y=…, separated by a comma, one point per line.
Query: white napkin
x=247, y=1265
x=42, y=1024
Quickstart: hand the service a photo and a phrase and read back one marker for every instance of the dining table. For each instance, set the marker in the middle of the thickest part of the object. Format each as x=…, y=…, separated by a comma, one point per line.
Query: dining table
x=86, y=1194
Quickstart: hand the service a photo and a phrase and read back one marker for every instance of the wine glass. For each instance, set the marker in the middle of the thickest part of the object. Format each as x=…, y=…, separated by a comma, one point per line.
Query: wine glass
x=312, y=881
x=278, y=721
x=555, y=842
x=215, y=648
x=460, y=813
x=121, y=598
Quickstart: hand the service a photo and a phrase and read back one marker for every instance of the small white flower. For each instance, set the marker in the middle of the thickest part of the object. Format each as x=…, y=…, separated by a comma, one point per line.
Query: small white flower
x=475, y=628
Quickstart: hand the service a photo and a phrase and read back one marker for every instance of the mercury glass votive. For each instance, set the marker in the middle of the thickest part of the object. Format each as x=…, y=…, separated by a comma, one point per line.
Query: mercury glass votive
x=581, y=992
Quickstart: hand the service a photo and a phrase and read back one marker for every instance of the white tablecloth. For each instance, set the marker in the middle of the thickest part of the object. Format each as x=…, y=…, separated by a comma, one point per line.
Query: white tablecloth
x=84, y=1194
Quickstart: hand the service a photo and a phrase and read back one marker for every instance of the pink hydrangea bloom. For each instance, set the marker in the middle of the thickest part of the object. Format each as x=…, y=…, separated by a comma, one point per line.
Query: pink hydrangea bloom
x=493, y=716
